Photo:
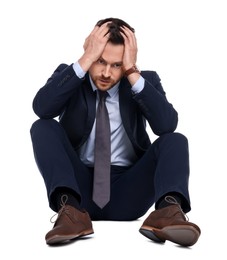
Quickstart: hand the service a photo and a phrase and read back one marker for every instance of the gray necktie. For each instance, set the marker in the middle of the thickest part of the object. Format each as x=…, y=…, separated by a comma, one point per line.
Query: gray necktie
x=101, y=184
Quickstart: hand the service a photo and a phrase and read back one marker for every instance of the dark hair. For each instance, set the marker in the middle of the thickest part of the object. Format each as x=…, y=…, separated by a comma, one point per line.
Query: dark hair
x=115, y=29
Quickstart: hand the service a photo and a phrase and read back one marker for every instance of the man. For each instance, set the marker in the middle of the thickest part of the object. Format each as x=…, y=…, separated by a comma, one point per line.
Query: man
x=105, y=86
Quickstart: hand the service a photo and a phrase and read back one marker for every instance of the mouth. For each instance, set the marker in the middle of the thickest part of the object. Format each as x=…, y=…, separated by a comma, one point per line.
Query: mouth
x=105, y=81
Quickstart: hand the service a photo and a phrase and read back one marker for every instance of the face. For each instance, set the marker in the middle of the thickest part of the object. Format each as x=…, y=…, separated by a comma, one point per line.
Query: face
x=108, y=69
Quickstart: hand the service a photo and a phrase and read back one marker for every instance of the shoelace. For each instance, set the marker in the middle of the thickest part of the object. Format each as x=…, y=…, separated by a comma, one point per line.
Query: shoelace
x=173, y=201
x=64, y=199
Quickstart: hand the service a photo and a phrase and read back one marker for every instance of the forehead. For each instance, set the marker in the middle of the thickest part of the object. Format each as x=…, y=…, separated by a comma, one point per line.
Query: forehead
x=113, y=53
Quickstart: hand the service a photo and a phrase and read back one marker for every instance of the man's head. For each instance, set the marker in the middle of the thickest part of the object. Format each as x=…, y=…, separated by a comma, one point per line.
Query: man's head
x=115, y=27
x=108, y=69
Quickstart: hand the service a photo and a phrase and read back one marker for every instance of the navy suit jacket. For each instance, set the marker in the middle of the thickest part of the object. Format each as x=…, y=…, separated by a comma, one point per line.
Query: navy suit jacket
x=72, y=100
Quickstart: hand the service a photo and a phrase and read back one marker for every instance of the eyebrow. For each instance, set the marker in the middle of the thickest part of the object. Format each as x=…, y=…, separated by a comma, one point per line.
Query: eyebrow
x=117, y=62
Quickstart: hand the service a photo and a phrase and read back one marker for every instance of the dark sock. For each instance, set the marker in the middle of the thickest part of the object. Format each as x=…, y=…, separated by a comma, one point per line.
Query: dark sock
x=65, y=196
x=163, y=202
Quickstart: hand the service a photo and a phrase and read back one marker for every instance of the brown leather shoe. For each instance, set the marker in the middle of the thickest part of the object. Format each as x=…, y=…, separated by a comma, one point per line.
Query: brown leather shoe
x=169, y=223
x=71, y=223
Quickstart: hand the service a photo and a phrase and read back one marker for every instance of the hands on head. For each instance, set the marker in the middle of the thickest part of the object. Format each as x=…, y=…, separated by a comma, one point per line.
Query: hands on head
x=96, y=41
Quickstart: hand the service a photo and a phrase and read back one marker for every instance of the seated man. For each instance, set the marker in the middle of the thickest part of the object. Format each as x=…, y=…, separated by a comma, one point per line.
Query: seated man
x=97, y=160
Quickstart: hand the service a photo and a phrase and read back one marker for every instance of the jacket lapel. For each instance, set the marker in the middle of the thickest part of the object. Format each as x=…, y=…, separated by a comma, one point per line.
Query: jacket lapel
x=90, y=99
x=127, y=109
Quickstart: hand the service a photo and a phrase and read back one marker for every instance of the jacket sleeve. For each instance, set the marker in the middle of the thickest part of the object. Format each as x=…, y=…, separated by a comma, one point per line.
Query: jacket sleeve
x=160, y=114
x=50, y=100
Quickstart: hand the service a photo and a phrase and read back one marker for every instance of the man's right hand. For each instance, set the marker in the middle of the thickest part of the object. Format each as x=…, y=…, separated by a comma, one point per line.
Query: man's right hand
x=94, y=46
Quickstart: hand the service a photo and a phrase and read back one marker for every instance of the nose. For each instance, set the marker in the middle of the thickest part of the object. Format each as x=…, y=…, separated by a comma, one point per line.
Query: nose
x=106, y=71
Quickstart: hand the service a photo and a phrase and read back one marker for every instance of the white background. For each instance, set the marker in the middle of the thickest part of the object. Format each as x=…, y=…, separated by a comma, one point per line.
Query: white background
x=185, y=42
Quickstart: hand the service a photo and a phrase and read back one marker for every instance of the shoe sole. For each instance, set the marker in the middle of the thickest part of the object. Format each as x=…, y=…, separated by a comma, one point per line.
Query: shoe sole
x=151, y=235
x=58, y=239
x=183, y=235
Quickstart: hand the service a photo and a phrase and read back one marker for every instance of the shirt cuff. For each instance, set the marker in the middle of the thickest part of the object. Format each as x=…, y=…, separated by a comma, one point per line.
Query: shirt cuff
x=78, y=70
x=138, y=86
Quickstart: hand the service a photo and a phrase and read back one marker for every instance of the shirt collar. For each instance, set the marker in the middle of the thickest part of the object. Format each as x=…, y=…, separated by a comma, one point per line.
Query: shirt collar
x=111, y=91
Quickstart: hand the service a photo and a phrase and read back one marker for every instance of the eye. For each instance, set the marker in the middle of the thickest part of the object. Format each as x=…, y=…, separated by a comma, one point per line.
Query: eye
x=101, y=61
x=117, y=65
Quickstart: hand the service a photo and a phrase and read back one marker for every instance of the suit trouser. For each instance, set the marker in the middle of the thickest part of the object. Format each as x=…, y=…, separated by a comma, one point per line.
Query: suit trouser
x=164, y=168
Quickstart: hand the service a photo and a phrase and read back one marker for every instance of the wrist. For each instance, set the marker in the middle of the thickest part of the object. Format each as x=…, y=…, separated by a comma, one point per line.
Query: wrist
x=85, y=63
x=131, y=70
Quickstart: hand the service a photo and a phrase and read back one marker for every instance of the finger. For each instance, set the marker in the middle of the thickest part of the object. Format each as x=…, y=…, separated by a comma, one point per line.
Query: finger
x=98, y=30
x=103, y=30
x=129, y=35
x=99, y=33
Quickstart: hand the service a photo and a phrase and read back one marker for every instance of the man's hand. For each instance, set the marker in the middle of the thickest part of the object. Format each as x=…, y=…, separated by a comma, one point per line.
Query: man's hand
x=130, y=52
x=94, y=46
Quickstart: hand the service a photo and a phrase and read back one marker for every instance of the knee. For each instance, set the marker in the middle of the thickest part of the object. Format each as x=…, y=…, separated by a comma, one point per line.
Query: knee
x=175, y=138
x=42, y=126
x=178, y=137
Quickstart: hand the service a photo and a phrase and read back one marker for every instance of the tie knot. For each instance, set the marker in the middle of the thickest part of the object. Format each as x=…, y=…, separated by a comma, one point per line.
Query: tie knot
x=103, y=95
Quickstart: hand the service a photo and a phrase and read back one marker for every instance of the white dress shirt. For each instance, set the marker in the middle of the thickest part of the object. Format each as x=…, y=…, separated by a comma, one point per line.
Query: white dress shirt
x=122, y=152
